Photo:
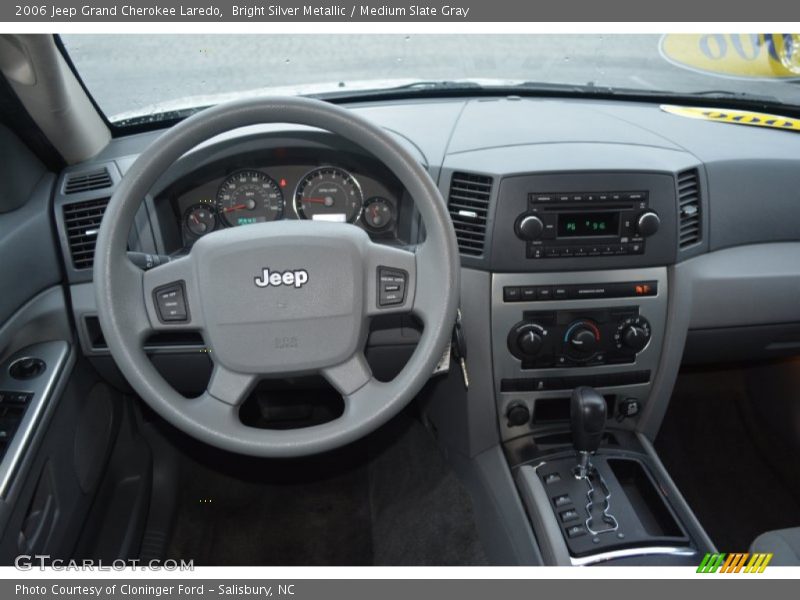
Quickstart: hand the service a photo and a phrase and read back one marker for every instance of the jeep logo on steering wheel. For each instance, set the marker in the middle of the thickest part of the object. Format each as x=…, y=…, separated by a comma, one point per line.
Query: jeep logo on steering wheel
x=268, y=278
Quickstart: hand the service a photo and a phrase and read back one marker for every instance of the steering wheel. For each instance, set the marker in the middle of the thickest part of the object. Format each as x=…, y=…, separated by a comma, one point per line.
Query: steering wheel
x=277, y=299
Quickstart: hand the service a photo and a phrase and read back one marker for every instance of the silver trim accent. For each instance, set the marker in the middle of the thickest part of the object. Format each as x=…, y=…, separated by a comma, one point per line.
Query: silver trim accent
x=91, y=232
x=506, y=314
x=55, y=356
x=470, y=214
x=630, y=552
x=607, y=517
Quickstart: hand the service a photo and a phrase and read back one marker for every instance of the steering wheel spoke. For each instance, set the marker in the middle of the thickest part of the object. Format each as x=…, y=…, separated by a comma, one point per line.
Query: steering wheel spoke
x=229, y=386
x=349, y=376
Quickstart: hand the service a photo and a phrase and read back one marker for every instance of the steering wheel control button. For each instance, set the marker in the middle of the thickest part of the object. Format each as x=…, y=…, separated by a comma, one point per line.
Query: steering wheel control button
x=171, y=303
x=392, y=285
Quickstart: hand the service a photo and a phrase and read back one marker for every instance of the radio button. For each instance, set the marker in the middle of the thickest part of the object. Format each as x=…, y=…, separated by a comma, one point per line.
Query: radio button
x=529, y=227
x=607, y=250
x=581, y=251
x=535, y=251
x=553, y=252
x=567, y=251
x=543, y=198
x=594, y=251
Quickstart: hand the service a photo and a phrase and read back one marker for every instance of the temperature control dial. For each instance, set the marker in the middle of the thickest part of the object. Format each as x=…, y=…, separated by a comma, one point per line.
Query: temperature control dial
x=582, y=339
x=633, y=334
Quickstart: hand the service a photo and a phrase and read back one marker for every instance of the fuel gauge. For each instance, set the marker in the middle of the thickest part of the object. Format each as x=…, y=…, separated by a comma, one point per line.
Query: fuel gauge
x=379, y=213
x=200, y=219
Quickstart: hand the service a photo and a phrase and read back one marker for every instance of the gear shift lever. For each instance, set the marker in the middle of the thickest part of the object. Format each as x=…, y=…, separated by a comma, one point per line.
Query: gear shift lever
x=588, y=422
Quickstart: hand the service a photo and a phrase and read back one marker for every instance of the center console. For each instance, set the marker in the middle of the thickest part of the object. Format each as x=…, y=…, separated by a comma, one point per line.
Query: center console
x=579, y=305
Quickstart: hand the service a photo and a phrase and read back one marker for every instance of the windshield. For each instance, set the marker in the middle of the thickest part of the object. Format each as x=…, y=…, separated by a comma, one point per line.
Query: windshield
x=144, y=77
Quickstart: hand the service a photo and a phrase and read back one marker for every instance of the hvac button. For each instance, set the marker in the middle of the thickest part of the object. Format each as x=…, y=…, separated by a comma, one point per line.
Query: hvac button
x=171, y=303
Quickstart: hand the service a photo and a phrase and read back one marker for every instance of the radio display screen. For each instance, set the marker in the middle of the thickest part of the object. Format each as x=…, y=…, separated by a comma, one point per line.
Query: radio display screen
x=589, y=224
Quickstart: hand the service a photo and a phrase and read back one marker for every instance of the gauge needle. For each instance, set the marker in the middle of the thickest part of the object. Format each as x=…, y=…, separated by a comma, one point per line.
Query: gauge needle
x=327, y=201
x=233, y=208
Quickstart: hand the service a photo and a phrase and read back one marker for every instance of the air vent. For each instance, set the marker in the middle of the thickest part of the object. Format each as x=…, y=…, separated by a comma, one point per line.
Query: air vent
x=85, y=182
x=468, y=203
x=690, y=219
x=82, y=222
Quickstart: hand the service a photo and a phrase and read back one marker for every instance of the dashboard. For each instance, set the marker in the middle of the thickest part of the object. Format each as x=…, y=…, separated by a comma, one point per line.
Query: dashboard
x=285, y=183
x=602, y=242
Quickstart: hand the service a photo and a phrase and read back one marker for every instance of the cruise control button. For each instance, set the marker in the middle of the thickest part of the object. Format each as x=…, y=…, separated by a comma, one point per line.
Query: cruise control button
x=391, y=286
x=171, y=303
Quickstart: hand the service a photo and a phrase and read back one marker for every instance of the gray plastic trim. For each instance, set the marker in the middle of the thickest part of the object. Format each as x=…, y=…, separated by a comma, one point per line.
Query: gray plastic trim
x=58, y=358
x=548, y=531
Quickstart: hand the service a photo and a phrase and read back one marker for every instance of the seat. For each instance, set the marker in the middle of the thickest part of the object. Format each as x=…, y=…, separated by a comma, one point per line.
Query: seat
x=784, y=544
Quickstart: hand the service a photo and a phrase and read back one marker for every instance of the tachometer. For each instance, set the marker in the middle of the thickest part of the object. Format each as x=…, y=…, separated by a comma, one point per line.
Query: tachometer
x=329, y=194
x=249, y=197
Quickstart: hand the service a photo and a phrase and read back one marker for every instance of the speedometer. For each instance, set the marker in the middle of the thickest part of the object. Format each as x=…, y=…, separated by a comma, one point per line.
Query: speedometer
x=249, y=197
x=329, y=194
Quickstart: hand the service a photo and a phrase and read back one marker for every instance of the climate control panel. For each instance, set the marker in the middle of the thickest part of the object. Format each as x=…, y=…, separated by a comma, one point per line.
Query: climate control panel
x=581, y=337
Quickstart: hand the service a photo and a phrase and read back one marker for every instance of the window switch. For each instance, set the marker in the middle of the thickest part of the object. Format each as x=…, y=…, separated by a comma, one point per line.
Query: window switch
x=562, y=500
x=551, y=478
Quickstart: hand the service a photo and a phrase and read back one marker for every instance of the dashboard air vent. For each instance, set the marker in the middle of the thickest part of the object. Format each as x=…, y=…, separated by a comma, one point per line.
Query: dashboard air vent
x=690, y=223
x=468, y=203
x=81, y=223
x=88, y=181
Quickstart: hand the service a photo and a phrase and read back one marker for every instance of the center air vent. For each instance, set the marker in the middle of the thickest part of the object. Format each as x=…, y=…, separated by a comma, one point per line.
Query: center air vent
x=87, y=181
x=468, y=203
x=81, y=223
x=689, y=209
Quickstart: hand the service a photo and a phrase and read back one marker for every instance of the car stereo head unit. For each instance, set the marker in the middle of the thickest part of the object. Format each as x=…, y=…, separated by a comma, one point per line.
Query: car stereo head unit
x=564, y=224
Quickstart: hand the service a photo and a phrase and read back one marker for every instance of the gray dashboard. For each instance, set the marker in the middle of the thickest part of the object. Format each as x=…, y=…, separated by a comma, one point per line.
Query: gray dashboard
x=746, y=183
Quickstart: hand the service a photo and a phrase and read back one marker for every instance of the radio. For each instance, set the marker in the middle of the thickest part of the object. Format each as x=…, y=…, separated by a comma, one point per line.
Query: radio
x=567, y=224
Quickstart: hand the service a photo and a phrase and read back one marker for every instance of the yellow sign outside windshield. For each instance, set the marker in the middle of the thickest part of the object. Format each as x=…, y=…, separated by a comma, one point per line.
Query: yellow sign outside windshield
x=739, y=117
x=735, y=55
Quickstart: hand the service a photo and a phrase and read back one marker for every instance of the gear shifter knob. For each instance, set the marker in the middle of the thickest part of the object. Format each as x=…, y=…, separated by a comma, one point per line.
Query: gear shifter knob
x=588, y=422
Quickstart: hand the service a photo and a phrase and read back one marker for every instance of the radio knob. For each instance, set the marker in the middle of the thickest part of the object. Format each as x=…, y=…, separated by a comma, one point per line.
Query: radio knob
x=647, y=224
x=529, y=227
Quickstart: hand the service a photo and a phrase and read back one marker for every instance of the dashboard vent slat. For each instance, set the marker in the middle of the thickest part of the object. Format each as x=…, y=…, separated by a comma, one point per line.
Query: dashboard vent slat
x=81, y=223
x=468, y=204
x=85, y=182
x=689, y=209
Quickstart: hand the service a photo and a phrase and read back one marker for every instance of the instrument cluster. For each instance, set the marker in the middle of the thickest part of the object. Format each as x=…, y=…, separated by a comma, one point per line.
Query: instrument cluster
x=248, y=195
